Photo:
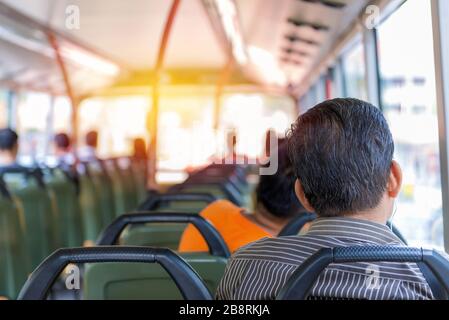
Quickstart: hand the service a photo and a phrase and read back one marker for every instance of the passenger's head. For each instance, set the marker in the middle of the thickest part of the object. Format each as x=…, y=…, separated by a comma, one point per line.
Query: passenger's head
x=276, y=193
x=62, y=143
x=9, y=145
x=92, y=139
x=342, y=153
x=140, y=149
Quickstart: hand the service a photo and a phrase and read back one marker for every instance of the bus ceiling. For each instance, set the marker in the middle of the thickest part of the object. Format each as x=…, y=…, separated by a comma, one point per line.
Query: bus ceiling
x=279, y=47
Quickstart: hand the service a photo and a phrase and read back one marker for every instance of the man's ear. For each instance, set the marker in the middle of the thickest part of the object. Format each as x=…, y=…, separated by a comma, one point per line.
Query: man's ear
x=15, y=150
x=302, y=197
x=395, y=180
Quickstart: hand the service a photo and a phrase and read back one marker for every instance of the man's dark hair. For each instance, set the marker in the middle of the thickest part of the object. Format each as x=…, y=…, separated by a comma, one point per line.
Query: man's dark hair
x=277, y=192
x=8, y=139
x=342, y=151
x=62, y=141
x=92, y=139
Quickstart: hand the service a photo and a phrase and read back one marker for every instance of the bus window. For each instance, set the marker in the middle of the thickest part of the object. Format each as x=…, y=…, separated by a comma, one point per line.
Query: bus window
x=118, y=120
x=354, y=72
x=257, y=114
x=186, y=133
x=3, y=109
x=32, y=114
x=409, y=102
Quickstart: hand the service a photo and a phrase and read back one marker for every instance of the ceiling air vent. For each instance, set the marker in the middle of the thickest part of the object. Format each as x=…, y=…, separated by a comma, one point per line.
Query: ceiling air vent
x=327, y=3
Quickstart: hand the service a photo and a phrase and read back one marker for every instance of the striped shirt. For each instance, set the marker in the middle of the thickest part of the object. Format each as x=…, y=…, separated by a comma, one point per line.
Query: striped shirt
x=259, y=270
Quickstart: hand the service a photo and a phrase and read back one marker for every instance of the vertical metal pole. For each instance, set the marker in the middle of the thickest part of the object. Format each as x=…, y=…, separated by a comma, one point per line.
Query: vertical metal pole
x=372, y=66
x=11, y=105
x=69, y=92
x=440, y=14
x=154, y=115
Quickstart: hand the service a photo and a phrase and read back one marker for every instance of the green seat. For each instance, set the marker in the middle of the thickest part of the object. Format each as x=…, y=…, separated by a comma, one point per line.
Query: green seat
x=132, y=194
x=138, y=281
x=154, y=235
x=125, y=190
x=70, y=220
x=118, y=188
x=90, y=207
x=215, y=191
x=14, y=263
x=139, y=175
x=104, y=189
x=40, y=212
x=161, y=234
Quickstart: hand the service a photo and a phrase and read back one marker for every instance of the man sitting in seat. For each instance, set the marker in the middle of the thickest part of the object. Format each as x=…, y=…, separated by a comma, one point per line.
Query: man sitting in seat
x=89, y=151
x=276, y=205
x=63, y=149
x=342, y=153
x=9, y=147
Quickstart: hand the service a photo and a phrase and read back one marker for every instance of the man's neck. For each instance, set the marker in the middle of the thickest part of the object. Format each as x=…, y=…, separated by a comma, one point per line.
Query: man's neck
x=371, y=215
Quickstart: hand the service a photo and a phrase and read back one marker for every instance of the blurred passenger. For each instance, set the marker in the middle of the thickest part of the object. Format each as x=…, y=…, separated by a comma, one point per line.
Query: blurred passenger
x=342, y=154
x=63, y=149
x=140, y=149
x=89, y=151
x=276, y=204
x=9, y=147
x=65, y=158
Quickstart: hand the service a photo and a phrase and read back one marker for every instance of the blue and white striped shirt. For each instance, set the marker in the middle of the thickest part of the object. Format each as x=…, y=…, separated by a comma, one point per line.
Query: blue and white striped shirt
x=259, y=270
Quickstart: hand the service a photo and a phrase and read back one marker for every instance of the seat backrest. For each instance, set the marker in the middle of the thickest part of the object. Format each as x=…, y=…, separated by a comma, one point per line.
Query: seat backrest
x=114, y=281
x=70, y=219
x=131, y=190
x=163, y=235
x=91, y=214
x=304, y=277
x=139, y=174
x=186, y=279
x=158, y=235
x=40, y=213
x=124, y=282
x=14, y=263
x=118, y=186
x=104, y=188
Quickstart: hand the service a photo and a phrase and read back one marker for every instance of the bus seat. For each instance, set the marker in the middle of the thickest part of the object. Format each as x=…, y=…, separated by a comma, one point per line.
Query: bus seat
x=132, y=195
x=125, y=281
x=70, y=223
x=216, y=190
x=164, y=235
x=104, y=189
x=433, y=265
x=14, y=263
x=118, y=186
x=186, y=279
x=39, y=209
x=139, y=174
x=90, y=205
x=186, y=202
x=137, y=281
x=154, y=235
